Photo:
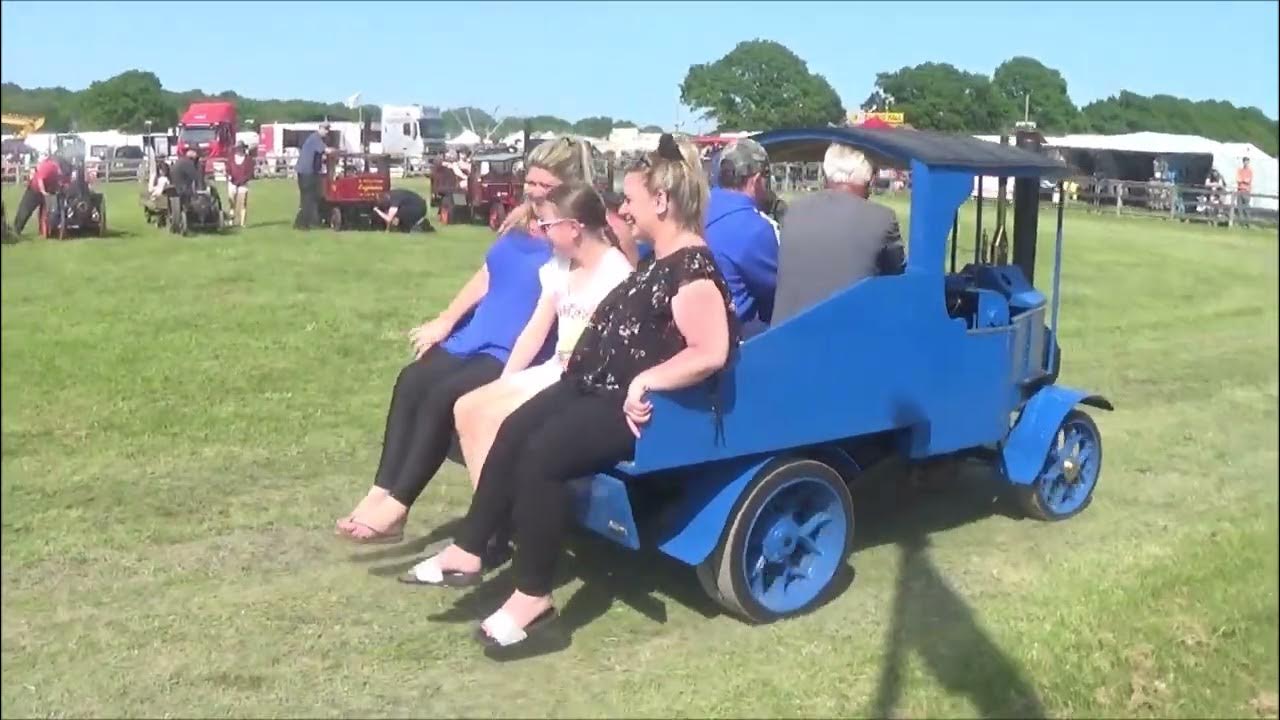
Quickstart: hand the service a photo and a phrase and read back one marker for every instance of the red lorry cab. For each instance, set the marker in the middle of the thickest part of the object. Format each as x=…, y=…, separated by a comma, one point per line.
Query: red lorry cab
x=210, y=127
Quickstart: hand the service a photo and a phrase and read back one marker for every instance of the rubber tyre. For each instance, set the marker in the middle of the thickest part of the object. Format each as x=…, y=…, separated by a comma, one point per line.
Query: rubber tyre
x=720, y=574
x=1031, y=497
x=497, y=214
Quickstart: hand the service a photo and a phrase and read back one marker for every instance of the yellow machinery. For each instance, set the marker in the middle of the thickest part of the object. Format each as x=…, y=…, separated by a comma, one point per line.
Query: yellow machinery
x=26, y=124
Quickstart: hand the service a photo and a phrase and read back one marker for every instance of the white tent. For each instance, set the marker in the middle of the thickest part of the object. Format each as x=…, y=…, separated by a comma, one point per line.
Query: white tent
x=1226, y=156
x=464, y=139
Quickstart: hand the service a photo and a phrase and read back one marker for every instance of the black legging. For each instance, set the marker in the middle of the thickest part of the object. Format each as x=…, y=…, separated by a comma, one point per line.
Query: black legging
x=558, y=435
x=420, y=420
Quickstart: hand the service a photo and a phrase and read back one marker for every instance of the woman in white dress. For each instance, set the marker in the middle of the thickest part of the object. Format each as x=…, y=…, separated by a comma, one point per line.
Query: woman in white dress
x=587, y=265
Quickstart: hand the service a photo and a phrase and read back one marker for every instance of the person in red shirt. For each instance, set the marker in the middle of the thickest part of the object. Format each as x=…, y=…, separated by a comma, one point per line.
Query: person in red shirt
x=45, y=181
x=239, y=173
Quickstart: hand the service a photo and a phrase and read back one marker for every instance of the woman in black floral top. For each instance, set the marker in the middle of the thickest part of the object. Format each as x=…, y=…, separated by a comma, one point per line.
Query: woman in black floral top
x=668, y=326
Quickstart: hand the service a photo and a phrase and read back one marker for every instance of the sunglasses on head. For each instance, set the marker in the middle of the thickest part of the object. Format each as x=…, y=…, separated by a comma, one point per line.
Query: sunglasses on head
x=544, y=224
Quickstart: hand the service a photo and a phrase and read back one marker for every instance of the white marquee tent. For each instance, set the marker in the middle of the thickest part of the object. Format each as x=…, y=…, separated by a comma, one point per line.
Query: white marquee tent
x=1226, y=156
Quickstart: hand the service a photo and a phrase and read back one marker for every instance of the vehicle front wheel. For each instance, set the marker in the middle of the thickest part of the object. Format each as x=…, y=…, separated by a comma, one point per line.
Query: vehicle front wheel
x=786, y=542
x=1065, y=485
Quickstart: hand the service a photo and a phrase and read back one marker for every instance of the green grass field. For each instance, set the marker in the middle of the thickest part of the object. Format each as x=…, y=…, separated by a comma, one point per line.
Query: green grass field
x=183, y=419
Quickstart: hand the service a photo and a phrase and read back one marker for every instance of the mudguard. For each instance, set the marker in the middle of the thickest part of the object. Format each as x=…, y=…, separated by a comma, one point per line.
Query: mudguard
x=702, y=511
x=601, y=505
x=1027, y=445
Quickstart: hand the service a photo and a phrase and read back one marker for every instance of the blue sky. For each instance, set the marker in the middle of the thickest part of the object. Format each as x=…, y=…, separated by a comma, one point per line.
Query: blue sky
x=626, y=60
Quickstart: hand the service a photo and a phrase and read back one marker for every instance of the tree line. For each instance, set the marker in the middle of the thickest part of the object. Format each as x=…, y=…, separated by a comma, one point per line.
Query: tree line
x=129, y=100
x=758, y=85
x=762, y=84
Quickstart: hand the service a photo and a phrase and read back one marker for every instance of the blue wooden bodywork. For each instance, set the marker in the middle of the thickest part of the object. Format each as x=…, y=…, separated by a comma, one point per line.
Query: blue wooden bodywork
x=937, y=363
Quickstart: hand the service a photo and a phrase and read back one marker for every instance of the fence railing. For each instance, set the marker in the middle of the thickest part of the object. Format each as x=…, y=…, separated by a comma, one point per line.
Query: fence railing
x=122, y=169
x=1184, y=203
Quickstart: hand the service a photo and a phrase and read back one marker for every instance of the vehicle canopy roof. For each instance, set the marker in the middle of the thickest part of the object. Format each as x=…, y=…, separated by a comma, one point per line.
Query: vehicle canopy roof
x=209, y=113
x=899, y=147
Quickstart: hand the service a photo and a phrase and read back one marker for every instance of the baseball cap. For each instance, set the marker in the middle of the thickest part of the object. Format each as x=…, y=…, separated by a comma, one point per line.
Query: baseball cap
x=743, y=158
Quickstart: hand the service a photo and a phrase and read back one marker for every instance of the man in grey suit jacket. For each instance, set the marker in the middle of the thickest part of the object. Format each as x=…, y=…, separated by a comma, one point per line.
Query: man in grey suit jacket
x=833, y=238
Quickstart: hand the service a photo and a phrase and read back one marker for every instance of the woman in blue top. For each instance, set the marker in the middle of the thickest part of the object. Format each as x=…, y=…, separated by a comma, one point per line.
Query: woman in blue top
x=455, y=357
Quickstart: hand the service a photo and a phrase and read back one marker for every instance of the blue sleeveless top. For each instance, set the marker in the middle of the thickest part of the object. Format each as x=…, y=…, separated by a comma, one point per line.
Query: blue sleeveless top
x=514, y=289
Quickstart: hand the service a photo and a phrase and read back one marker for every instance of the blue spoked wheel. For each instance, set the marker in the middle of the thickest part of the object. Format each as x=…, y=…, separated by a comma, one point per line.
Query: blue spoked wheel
x=790, y=535
x=1066, y=483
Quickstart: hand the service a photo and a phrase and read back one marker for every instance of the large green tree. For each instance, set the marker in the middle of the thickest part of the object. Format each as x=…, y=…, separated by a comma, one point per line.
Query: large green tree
x=759, y=85
x=937, y=96
x=127, y=102
x=1215, y=119
x=1020, y=79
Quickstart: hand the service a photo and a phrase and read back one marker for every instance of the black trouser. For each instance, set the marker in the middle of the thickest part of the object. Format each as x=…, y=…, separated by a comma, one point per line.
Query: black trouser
x=420, y=420
x=32, y=200
x=558, y=435
x=308, y=201
x=407, y=219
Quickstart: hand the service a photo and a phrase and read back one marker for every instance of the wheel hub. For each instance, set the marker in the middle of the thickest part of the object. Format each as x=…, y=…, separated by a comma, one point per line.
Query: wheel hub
x=780, y=543
x=1070, y=470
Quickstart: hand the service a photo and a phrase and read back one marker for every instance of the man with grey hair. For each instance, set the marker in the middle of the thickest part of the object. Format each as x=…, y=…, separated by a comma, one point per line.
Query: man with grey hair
x=835, y=237
x=743, y=239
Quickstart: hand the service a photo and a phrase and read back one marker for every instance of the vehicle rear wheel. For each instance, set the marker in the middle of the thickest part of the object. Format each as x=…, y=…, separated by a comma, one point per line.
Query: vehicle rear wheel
x=446, y=210
x=788, y=538
x=335, y=218
x=497, y=214
x=1065, y=485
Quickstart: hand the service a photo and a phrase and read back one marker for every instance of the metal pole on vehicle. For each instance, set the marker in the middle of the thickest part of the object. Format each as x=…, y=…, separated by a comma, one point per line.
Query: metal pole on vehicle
x=955, y=239
x=977, y=229
x=1057, y=277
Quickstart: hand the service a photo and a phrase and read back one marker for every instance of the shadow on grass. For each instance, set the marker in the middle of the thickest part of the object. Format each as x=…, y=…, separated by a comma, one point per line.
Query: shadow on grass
x=929, y=617
x=894, y=506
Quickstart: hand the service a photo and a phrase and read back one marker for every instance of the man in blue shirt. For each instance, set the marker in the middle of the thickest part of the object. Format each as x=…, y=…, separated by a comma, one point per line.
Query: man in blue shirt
x=743, y=239
x=310, y=170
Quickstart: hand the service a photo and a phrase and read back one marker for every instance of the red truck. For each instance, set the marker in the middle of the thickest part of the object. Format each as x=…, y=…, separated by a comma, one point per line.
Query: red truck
x=210, y=127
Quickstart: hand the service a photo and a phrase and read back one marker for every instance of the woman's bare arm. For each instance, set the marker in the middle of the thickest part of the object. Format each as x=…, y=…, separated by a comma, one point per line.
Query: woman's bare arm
x=533, y=336
x=700, y=316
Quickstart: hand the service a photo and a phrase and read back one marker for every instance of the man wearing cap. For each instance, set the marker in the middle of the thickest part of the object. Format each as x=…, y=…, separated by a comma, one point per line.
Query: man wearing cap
x=239, y=173
x=310, y=168
x=836, y=237
x=743, y=239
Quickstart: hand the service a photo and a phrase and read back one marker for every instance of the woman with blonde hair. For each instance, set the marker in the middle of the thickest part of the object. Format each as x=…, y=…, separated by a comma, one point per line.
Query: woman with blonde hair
x=670, y=325
x=464, y=347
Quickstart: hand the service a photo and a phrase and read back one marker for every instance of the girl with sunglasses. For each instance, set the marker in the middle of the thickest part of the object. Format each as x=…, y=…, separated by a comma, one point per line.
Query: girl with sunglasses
x=587, y=265
x=463, y=348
